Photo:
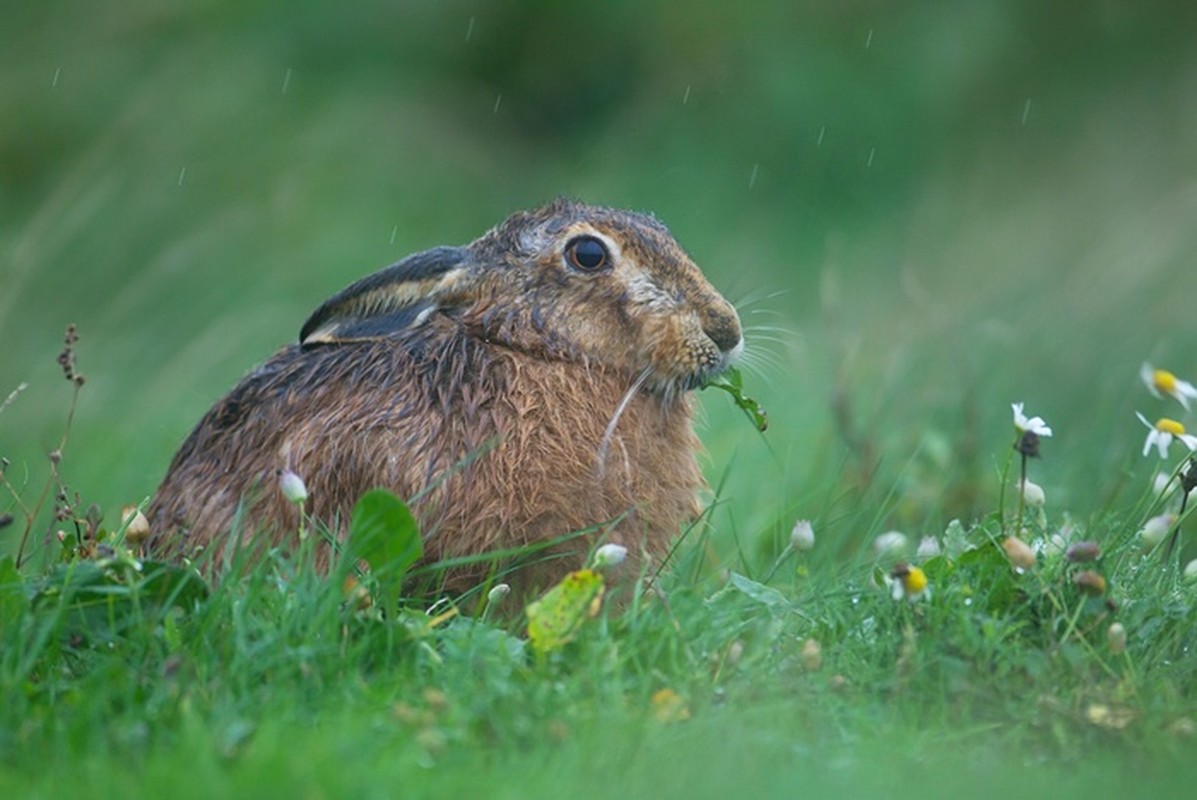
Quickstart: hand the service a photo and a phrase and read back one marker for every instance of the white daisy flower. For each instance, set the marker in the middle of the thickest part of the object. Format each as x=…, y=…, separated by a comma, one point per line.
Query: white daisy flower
x=1034, y=425
x=1163, y=432
x=1161, y=382
x=909, y=582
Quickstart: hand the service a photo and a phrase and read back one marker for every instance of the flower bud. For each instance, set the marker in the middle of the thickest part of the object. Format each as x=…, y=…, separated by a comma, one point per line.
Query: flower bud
x=890, y=543
x=1190, y=573
x=928, y=547
x=1083, y=551
x=610, y=555
x=293, y=487
x=497, y=594
x=802, y=537
x=137, y=527
x=1156, y=528
x=1019, y=552
x=1116, y=638
x=1032, y=494
x=1090, y=582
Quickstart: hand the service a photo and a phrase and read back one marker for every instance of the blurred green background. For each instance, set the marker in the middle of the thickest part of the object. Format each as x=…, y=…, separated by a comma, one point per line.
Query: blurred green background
x=925, y=210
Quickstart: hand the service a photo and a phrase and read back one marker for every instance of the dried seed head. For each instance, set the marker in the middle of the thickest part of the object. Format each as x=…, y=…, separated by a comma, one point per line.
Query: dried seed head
x=1082, y=552
x=1019, y=552
x=1188, y=478
x=1090, y=582
x=1028, y=444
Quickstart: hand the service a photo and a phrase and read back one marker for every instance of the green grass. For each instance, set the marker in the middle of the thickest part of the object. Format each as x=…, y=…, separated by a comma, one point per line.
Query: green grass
x=984, y=205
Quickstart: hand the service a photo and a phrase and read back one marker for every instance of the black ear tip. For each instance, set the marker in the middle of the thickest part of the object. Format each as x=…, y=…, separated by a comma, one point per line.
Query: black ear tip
x=385, y=302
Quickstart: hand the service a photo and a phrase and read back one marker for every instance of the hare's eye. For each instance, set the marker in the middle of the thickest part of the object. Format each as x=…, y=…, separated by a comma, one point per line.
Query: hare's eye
x=586, y=253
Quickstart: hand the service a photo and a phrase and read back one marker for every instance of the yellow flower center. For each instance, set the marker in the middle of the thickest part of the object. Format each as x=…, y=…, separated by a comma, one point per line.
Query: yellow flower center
x=1171, y=426
x=1164, y=381
x=914, y=581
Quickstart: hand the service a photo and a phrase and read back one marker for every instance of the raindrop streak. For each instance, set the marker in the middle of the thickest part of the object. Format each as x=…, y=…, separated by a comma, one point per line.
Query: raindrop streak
x=470, y=29
x=182, y=175
x=752, y=178
x=286, y=80
x=498, y=100
x=1026, y=111
x=819, y=141
x=57, y=72
x=869, y=40
x=394, y=231
x=686, y=96
x=872, y=152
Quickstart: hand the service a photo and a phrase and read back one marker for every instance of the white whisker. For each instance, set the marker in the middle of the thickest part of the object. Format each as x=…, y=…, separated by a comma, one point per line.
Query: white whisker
x=605, y=442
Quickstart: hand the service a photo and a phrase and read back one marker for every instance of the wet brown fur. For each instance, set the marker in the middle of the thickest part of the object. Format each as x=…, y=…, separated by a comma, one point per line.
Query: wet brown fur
x=490, y=411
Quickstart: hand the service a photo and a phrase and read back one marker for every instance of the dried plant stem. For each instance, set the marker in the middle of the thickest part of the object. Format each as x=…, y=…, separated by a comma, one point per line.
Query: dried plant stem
x=52, y=480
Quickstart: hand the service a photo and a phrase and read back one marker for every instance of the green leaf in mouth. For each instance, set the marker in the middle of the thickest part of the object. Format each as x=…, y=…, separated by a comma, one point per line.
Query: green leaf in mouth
x=733, y=383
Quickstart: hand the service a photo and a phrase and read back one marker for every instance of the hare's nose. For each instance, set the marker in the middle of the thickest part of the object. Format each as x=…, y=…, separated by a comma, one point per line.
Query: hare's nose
x=723, y=327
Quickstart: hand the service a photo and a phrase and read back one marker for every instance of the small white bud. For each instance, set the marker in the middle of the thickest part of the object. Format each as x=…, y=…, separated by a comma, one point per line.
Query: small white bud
x=1156, y=528
x=610, y=555
x=1161, y=482
x=1116, y=638
x=137, y=527
x=1190, y=572
x=890, y=543
x=293, y=487
x=802, y=537
x=928, y=547
x=497, y=594
x=1032, y=494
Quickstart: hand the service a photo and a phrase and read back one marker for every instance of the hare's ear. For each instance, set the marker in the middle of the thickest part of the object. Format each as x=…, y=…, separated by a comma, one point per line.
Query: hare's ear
x=400, y=297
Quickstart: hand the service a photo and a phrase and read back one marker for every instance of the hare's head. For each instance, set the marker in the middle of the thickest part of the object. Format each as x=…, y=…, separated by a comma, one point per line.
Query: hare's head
x=567, y=281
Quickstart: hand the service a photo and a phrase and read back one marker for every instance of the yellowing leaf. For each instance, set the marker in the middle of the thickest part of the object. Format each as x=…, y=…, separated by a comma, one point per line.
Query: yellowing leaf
x=668, y=706
x=1110, y=717
x=554, y=619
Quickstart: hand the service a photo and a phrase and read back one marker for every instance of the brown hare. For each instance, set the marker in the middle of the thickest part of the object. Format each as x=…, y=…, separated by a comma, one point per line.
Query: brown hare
x=530, y=384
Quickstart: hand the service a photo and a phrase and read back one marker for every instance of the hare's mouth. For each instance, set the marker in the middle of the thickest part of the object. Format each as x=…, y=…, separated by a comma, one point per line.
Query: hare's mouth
x=698, y=369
